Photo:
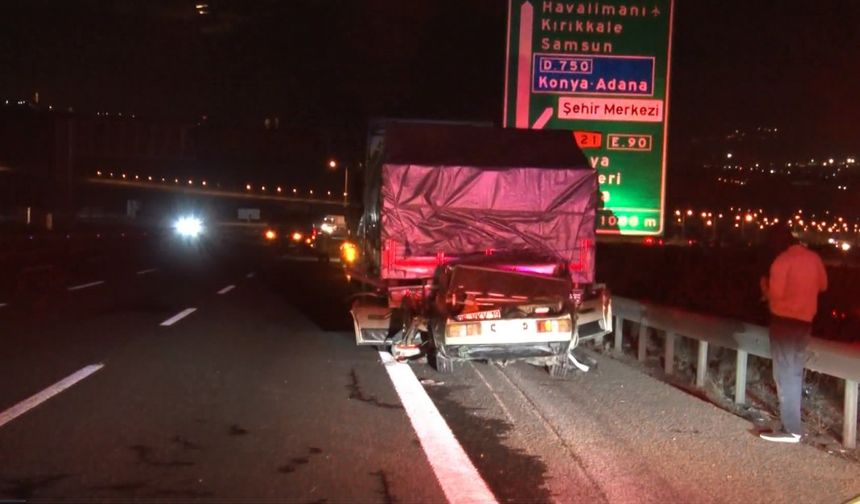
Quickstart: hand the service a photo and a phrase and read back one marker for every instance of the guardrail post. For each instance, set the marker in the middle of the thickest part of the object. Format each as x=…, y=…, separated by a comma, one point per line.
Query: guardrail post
x=702, y=364
x=643, y=341
x=619, y=334
x=741, y=378
x=849, y=425
x=669, y=353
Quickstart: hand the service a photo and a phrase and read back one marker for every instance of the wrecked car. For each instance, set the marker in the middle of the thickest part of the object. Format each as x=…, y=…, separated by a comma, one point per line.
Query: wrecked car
x=477, y=243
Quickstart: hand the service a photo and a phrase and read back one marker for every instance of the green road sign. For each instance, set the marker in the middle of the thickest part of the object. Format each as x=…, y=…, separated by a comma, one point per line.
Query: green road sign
x=601, y=70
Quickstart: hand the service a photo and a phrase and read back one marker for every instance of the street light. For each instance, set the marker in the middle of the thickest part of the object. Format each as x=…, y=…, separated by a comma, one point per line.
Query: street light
x=332, y=164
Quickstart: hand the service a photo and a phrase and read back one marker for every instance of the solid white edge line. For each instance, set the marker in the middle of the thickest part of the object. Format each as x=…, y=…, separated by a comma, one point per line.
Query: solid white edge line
x=179, y=316
x=455, y=473
x=150, y=270
x=84, y=286
x=40, y=397
x=227, y=289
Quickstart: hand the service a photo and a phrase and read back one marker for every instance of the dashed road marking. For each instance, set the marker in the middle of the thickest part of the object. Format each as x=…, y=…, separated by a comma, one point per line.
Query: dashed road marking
x=86, y=285
x=179, y=316
x=40, y=267
x=147, y=271
x=3, y=305
x=227, y=289
x=250, y=275
x=455, y=473
x=37, y=399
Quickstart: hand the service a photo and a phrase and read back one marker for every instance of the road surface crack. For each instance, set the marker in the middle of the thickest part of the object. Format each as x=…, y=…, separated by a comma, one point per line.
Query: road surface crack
x=356, y=392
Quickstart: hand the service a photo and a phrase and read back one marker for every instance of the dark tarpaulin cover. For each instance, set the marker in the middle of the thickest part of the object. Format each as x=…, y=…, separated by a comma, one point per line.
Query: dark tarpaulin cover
x=459, y=190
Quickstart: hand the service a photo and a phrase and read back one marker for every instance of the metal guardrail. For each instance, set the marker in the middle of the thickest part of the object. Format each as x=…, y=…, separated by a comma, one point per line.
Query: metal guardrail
x=836, y=359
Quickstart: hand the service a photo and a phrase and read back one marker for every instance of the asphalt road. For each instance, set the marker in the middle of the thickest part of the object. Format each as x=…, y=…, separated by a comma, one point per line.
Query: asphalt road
x=260, y=395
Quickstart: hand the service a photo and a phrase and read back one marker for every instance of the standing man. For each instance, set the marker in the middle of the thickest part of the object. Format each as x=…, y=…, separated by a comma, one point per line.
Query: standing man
x=797, y=276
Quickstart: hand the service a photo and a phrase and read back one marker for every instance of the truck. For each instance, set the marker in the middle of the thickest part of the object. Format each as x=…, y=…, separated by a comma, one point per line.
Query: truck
x=477, y=243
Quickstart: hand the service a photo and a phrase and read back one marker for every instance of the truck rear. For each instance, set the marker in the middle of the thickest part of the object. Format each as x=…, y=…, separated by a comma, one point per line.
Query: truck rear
x=478, y=244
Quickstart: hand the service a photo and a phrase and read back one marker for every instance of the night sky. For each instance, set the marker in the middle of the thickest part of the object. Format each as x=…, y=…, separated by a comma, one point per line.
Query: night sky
x=736, y=63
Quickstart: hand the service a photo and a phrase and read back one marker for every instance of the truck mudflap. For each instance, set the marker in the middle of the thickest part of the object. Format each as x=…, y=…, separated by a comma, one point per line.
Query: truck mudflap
x=594, y=319
x=371, y=320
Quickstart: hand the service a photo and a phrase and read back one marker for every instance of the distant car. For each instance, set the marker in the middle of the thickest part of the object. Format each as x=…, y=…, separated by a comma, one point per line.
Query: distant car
x=329, y=246
x=292, y=237
x=333, y=225
x=331, y=234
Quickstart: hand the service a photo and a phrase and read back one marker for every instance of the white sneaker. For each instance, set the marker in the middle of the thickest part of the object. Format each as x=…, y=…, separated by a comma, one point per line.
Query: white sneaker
x=780, y=437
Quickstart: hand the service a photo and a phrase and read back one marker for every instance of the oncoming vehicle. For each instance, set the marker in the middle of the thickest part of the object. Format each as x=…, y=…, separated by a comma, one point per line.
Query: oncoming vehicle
x=478, y=244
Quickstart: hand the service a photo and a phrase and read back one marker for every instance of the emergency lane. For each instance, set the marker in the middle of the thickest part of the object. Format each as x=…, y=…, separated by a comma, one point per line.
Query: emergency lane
x=615, y=434
x=246, y=399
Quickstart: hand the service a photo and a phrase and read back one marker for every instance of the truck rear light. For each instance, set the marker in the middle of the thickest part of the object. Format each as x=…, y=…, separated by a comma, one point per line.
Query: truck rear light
x=553, y=326
x=461, y=330
x=349, y=252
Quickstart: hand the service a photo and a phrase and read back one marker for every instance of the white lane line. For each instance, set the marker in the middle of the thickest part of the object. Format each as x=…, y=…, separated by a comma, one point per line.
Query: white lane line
x=37, y=399
x=41, y=267
x=179, y=316
x=455, y=473
x=250, y=275
x=86, y=285
x=146, y=271
x=3, y=305
x=227, y=289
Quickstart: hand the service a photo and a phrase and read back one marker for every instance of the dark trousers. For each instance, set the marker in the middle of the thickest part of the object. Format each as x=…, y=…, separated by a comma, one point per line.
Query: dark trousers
x=788, y=341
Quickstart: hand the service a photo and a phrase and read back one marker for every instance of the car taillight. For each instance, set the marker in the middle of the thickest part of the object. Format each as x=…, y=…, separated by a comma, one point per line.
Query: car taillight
x=461, y=330
x=554, y=325
x=270, y=234
x=297, y=237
